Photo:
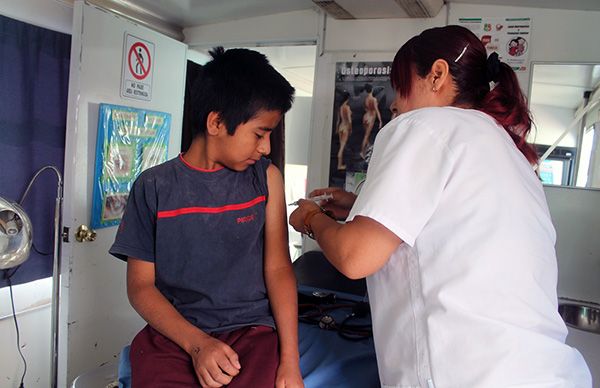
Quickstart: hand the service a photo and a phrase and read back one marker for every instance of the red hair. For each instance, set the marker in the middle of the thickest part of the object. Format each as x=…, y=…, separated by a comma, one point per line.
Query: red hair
x=471, y=73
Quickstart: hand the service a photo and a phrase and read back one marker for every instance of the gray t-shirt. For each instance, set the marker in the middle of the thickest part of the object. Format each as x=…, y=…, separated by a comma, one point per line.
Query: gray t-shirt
x=204, y=232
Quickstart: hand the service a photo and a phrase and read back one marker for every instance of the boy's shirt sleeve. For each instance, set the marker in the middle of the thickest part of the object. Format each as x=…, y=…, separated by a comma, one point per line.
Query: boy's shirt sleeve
x=136, y=234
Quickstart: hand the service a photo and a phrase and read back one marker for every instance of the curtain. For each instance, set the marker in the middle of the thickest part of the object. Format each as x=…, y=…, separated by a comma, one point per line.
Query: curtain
x=193, y=69
x=34, y=77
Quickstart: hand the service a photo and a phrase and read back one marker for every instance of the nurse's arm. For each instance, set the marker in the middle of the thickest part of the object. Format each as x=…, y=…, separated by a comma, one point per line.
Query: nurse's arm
x=358, y=248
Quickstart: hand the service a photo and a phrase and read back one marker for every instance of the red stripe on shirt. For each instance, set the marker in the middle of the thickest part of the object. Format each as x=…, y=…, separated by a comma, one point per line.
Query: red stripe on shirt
x=210, y=210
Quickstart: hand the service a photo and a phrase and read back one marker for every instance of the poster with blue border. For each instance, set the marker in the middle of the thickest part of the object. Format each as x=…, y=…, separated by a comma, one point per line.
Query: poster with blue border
x=129, y=141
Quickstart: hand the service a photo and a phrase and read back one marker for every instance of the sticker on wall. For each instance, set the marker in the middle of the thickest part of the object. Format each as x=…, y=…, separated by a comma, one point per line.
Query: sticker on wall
x=509, y=37
x=129, y=141
x=138, y=67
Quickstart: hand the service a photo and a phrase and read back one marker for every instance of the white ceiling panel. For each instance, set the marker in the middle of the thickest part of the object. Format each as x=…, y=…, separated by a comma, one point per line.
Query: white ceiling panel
x=190, y=13
x=563, y=85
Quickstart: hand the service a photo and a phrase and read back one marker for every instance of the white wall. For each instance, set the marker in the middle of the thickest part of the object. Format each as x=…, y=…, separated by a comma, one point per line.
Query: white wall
x=297, y=128
x=576, y=217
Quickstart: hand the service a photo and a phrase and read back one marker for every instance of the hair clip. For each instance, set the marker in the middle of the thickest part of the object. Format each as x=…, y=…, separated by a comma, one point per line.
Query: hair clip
x=461, y=54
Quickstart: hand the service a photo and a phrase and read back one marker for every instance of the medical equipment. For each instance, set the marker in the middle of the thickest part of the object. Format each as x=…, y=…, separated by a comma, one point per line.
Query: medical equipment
x=319, y=199
x=15, y=246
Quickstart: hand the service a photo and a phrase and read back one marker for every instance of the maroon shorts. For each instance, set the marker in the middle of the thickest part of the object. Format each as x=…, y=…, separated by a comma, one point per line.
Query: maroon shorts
x=156, y=361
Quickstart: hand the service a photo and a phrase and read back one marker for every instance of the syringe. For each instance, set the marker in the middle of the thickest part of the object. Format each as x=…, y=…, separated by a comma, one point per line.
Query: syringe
x=317, y=199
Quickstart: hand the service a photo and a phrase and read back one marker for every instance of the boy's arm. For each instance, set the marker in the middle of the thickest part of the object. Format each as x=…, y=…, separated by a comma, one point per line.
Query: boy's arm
x=280, y=281
x=210, y=357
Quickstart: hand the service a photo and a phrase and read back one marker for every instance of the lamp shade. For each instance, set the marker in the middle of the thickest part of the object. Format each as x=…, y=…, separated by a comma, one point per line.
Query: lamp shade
x=15, y=234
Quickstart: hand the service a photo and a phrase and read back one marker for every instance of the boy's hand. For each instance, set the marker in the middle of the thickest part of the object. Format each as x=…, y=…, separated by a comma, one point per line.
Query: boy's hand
x=288, y=376
x=215, y=363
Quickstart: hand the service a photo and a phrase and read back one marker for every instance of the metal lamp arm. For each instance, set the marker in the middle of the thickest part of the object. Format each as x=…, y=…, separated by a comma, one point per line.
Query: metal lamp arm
x=56, y=265
x=59, y=194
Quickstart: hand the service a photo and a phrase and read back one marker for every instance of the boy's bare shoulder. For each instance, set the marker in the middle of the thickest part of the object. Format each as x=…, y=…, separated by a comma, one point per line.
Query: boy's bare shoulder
x=273, y=173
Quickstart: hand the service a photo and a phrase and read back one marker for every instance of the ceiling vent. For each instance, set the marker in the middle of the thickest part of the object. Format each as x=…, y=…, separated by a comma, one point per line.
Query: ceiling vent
x=380, y=9
x=421, y=8
x=333, y=9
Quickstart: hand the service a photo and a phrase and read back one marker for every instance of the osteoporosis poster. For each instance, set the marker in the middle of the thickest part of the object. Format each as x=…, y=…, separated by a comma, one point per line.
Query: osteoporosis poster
x=362, y=106
x=509, y=37
x=129, y=141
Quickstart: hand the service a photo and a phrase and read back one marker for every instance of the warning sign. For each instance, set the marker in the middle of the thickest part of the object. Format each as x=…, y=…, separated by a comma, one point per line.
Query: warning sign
x=138, y=66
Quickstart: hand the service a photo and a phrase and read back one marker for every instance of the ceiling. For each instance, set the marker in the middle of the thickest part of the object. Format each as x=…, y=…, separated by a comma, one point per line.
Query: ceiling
x=189, y=13
x=563, y=85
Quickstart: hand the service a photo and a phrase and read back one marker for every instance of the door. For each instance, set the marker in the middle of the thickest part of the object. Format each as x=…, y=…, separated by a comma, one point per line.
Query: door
x=96, y=320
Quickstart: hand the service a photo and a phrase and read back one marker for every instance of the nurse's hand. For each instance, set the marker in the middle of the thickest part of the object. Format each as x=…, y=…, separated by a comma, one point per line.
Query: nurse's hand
x=298, y=216
x=339, y=204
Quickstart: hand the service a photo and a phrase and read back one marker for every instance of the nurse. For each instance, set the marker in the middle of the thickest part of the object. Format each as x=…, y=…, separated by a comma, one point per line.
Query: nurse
x=452, y=229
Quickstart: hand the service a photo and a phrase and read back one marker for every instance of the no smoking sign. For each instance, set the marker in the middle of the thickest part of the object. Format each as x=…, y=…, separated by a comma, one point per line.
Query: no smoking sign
x=138, y=66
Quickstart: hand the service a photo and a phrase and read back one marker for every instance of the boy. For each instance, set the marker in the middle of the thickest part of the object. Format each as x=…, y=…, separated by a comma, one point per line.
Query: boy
x=205, y=239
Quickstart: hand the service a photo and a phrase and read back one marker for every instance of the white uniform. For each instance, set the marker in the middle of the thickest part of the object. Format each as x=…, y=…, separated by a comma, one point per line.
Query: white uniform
x=469, y=300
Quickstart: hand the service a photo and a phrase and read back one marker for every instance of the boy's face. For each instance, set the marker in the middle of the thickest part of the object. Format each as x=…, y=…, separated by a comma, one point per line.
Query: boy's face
x=250, y=141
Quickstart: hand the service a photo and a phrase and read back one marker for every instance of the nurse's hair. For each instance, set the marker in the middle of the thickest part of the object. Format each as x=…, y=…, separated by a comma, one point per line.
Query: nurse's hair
x=472, y=71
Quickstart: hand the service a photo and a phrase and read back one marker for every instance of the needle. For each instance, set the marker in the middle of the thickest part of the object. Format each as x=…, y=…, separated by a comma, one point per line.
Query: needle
x=317, y=199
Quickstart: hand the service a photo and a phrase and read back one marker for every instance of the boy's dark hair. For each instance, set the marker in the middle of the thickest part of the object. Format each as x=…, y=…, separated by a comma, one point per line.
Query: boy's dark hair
x=237, y=84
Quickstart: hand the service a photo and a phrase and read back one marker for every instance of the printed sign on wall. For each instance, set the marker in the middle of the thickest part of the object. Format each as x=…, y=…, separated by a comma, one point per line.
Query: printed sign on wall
x=138, y=66
x=509, y=37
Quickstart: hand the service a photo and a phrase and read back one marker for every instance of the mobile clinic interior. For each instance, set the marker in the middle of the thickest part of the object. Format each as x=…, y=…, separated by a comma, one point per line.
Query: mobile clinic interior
x=78, y=331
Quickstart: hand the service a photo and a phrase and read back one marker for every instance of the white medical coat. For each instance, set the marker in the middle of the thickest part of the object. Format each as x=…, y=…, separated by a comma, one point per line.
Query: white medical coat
x=469, y=299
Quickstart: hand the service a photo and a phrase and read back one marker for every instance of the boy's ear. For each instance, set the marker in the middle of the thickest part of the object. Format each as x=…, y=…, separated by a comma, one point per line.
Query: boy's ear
x=214, y=123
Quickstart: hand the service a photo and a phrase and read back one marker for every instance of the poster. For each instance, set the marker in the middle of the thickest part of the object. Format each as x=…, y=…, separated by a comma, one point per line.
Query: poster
x=129, y=141
x=138, y=68
x=362, y=100
x=509, y=37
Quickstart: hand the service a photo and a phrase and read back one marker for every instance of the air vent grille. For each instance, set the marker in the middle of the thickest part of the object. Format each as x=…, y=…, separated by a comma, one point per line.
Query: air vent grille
x=333, y=9
x=414, y=8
